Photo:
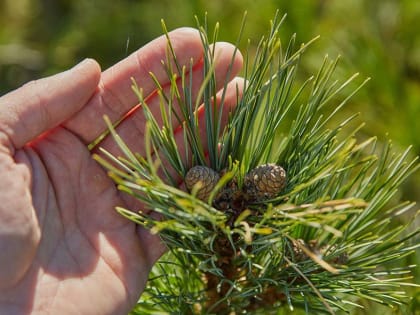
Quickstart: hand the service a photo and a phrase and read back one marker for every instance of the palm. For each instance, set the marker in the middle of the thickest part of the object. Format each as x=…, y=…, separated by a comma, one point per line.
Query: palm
x=64, y=248
x=81, y=236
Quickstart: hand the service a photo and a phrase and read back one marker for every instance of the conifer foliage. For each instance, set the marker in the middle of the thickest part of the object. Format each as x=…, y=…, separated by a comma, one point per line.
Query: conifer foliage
x=287, y=209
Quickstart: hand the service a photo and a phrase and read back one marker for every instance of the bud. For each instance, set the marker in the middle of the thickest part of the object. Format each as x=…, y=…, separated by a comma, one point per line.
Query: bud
x=207, y=177
x=264, y=182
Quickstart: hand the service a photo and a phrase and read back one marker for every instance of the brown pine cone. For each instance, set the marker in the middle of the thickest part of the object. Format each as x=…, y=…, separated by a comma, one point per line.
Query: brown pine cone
x=208, y=178
x=264, y=182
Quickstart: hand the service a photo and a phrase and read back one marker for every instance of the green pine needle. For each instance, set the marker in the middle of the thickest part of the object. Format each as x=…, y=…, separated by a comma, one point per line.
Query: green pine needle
x=324, y=244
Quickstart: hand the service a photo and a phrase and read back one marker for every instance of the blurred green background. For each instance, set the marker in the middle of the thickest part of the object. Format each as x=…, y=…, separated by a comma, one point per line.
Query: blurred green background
x=378, y=38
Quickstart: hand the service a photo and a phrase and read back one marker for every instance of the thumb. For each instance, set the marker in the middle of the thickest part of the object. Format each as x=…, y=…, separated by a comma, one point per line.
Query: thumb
x=43, y=104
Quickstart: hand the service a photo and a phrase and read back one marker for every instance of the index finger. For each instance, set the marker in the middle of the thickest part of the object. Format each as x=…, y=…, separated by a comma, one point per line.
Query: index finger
x=115, y=97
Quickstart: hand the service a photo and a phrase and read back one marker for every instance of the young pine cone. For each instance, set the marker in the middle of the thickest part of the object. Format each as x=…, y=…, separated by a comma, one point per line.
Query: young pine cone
x=264, y=182
x=207, y=177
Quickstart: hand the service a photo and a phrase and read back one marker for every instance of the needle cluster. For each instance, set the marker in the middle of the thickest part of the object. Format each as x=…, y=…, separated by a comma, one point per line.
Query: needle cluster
x=323, y=241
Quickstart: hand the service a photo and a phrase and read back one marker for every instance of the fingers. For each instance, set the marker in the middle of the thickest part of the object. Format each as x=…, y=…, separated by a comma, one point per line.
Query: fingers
x=43, y=104
x=115, y=96
x=132, y=128
x=233, y=92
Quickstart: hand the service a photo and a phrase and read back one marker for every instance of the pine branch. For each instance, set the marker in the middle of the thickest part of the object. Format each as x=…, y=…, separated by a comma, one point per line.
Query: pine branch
x=321, y=243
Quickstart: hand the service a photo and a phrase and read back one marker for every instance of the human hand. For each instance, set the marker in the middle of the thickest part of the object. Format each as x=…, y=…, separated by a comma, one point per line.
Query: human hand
x=64, y=249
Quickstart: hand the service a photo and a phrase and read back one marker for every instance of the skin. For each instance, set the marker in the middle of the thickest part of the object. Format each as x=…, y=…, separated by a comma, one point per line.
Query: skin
x=64, y=249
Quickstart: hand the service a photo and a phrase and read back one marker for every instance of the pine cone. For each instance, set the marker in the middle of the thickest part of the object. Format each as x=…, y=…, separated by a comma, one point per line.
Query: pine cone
x=208, y=178
x=264, y=182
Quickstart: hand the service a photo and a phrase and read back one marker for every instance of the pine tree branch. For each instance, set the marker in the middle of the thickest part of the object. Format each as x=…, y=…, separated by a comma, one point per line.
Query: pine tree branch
x=324, y=241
